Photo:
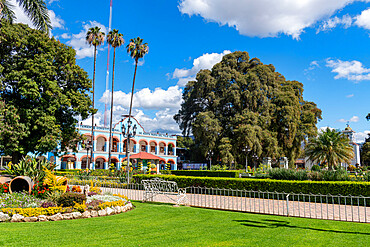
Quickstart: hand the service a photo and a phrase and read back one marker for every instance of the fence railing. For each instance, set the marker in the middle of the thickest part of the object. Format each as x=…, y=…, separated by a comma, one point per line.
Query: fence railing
x=329, y=207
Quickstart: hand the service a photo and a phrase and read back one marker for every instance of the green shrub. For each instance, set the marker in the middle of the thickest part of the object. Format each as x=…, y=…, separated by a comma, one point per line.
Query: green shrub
x=287, y=174
x=306, y=187
x=69, y=199
x=337, y=175
x=206, y=173
x=315, y=168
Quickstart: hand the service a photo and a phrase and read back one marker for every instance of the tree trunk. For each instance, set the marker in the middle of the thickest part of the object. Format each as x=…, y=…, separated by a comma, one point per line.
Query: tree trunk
x=92, y=116
x=111, y=112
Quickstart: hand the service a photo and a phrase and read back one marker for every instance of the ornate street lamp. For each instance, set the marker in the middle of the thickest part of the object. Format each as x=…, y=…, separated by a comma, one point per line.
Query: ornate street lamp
x=127, y=133
x=209, y=157
x=88, y=147
x=246, y=149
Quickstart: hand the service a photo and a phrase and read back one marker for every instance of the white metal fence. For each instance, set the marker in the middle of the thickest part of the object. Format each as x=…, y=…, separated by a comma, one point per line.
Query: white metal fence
x=329, y=207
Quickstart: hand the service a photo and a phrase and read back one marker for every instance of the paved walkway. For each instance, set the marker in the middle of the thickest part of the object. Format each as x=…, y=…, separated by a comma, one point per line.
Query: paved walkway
x=264, y=206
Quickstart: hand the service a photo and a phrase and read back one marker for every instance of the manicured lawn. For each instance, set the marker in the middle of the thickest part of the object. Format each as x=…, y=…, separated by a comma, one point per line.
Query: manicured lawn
x=165, y=225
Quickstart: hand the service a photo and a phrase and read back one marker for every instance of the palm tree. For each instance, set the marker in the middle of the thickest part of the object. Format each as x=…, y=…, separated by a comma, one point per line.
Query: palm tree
x=115, y=39
x=330, y=147
x=94, y=37
x=35, y=9
x=137, y=50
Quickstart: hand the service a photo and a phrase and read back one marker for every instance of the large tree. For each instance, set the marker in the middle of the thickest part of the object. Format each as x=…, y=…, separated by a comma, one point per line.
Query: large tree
x=42, y=93
x=35, y=9
x=240, y=102
x=330, y=148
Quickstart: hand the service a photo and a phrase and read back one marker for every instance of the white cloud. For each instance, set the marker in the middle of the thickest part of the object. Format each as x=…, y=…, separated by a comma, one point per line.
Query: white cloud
x=97, y=120
x=361, y=136
x=264, y=18
x=78, y=41
x=350, y=70
x=148, y=99
x=206, y=61
x=363, y=20
x=350, y=95
x=353, y=119
x=165, y=104
x=66, y=36
x=345, y=21
x=56, y=21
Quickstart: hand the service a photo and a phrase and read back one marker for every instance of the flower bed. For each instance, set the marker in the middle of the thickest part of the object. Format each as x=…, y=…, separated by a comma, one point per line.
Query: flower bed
x=27, y=208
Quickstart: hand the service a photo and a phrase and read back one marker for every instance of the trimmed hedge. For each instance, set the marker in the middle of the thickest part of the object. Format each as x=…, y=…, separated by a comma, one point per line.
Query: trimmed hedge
x=306, y=187
x=205, y=173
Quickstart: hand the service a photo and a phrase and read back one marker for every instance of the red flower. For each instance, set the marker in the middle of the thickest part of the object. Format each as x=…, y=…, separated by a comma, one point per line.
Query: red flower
x=39, y=192
x=5, y=191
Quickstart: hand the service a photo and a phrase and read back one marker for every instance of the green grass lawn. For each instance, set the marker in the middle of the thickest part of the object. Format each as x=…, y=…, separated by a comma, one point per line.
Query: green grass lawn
x=165, y=225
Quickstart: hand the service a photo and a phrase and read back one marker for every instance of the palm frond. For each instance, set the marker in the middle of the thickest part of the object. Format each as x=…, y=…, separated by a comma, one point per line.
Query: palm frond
x=37, y=11
x=6, y=11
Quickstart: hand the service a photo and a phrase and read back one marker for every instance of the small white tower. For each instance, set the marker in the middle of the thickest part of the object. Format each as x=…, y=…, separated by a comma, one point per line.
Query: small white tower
x=356, y=148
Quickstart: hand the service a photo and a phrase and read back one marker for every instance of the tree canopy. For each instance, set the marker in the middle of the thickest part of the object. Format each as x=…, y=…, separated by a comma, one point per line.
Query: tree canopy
x=42, y=92
x=365, y=152
x=242, y=101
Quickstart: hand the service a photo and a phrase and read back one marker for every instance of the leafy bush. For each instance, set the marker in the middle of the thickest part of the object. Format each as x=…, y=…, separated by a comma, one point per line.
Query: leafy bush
x=337, y=175
x=69, y=199
x=315, y=176
x=205, y=173
x=287, y=174
x=314, y=187
x=315, y=168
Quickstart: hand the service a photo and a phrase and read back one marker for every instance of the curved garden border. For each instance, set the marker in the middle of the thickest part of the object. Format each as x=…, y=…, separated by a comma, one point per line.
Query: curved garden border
x=67, y=216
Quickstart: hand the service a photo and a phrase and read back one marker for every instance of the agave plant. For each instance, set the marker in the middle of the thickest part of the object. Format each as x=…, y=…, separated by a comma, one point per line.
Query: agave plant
x=30, y=167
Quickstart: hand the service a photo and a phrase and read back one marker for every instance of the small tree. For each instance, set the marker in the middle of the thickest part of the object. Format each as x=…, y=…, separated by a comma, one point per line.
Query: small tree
x=330, y=147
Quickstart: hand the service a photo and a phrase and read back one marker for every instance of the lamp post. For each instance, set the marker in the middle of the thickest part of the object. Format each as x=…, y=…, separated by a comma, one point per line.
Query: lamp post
x=209, y=157
x=87, y=156
x=254, y=156
x=246, y=149
x=127, y=133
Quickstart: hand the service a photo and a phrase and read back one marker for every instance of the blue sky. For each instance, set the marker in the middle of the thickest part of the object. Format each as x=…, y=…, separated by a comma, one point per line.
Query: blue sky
x=323, y=44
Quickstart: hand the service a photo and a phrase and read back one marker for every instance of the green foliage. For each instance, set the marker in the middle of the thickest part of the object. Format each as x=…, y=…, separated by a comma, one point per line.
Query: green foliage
x=306, y=187
x=241, y=101
x=331, y=148
x=69, y=199
x=205, y=173
x=315, y=168
x=30, y=167
x=365, y=152
x=287, y=174
x=337, y=175
x=44, y=91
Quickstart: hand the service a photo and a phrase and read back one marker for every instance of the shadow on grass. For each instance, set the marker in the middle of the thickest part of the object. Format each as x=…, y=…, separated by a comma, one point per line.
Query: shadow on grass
x=267, y=223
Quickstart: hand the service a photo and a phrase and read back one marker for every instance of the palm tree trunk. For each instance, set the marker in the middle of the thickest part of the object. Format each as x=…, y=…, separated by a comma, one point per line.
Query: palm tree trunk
x=111, y=111
x=133, y=86
x=92, y=117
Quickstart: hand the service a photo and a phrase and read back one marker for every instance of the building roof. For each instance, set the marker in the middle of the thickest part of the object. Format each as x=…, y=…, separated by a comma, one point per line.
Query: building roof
x=145, y=156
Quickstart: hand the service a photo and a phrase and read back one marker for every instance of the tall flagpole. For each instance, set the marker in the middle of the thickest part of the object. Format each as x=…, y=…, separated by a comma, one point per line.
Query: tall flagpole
x=107, y=76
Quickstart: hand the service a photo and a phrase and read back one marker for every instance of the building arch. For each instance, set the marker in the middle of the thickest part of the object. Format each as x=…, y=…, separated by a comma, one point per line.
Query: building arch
x=100, y=135
x=171, y=161
x=153, y=148
x=143, y=145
